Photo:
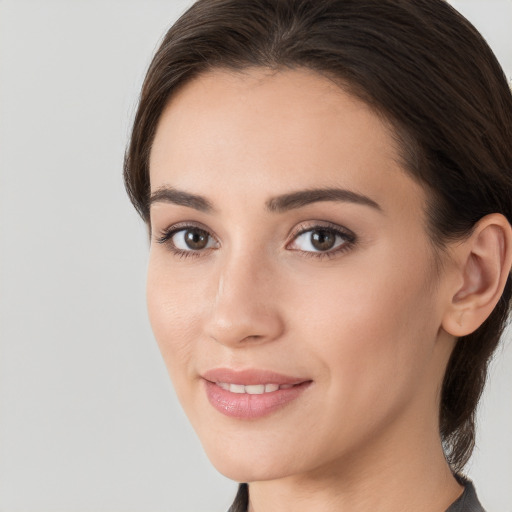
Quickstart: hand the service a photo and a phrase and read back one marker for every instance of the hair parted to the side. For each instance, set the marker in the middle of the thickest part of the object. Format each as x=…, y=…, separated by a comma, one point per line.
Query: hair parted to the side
x=419, y=64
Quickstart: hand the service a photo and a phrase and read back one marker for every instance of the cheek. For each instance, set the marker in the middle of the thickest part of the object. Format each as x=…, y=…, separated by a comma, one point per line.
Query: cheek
x=373, y=327
x=173, y=314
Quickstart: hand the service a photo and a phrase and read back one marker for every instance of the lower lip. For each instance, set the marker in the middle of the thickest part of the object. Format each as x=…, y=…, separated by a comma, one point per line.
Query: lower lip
x=246, y=406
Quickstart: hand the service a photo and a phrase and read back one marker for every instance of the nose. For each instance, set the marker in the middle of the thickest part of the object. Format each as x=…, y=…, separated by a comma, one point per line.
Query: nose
x=245, y=306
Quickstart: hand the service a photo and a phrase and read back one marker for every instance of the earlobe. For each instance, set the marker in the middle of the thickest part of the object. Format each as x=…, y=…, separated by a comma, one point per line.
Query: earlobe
x=484, y=263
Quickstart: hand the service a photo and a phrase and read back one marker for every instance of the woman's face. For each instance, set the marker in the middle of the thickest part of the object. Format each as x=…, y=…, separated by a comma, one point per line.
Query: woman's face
x=292, y=287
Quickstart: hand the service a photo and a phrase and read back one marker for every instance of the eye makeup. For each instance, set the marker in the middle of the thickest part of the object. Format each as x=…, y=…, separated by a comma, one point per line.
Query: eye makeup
x=326, y=240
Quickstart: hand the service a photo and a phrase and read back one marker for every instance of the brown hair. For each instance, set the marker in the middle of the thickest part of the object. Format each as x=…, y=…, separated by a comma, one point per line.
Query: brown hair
x=418, y=63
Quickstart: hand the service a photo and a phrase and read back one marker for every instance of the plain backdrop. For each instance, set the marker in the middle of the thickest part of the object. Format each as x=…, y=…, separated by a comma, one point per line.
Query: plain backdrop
x=88, y=418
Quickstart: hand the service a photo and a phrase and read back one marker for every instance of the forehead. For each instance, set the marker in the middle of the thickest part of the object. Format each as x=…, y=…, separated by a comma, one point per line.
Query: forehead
x=289, y=129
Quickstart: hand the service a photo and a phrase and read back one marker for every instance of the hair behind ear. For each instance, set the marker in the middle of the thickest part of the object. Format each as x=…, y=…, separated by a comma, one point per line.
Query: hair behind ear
x=479, y=310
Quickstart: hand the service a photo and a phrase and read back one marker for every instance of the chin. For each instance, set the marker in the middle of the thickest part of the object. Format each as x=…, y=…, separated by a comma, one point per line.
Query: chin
x=246, y=466
x=240, y=471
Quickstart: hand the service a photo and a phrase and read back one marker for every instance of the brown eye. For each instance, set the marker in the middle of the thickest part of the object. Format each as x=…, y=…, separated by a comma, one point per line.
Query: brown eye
x=196, y=239
x=192, y=239
x=322, y=240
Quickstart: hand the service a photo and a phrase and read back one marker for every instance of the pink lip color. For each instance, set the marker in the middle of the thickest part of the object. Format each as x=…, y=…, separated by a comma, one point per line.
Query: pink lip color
x=244, y=405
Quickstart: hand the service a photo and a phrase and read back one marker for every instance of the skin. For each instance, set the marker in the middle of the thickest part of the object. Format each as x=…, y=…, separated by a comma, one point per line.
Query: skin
x=365, y=323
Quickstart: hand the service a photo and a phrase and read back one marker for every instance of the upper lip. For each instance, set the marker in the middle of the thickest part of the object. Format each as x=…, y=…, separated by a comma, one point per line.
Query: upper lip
x=250, y=377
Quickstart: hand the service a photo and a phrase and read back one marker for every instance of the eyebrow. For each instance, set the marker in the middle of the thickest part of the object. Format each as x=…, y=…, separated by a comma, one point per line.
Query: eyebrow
x=181, y=198
x=302, y=198
x=278, y=204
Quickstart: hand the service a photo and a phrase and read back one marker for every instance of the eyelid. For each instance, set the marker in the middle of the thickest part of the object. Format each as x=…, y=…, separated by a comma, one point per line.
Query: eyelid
x=178, y=226
x=305, y=227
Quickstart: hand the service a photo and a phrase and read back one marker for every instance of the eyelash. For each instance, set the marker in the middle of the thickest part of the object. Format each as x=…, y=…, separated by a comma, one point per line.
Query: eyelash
x=165, y=238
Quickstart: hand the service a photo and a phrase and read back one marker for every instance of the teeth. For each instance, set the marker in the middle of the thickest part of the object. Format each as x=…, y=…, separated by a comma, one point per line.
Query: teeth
x=237, y=388
x=255, y=389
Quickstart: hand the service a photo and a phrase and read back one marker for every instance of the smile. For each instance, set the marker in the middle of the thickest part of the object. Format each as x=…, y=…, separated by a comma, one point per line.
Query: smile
x=251, y=394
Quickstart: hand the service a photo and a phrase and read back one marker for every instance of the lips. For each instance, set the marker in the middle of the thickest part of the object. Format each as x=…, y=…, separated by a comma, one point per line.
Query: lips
x=251, y=394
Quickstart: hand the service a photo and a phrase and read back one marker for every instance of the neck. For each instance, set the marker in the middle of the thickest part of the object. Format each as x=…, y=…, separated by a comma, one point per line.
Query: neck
x=392, y=474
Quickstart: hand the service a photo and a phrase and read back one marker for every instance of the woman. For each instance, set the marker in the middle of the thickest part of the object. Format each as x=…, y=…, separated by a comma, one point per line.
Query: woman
x=327, y=186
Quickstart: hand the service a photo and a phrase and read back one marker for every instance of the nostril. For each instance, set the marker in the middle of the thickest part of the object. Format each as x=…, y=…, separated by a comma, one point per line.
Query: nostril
x=253, y=337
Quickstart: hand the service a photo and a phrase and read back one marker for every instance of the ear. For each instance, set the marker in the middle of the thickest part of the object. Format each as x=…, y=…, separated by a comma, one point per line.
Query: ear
x=483, y=263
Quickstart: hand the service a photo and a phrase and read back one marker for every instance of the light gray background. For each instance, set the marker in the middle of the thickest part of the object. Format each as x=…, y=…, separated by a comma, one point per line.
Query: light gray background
x=88, y=420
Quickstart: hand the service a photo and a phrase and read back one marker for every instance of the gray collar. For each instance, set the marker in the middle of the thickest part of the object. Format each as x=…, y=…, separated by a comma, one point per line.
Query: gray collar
x=468, y=502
